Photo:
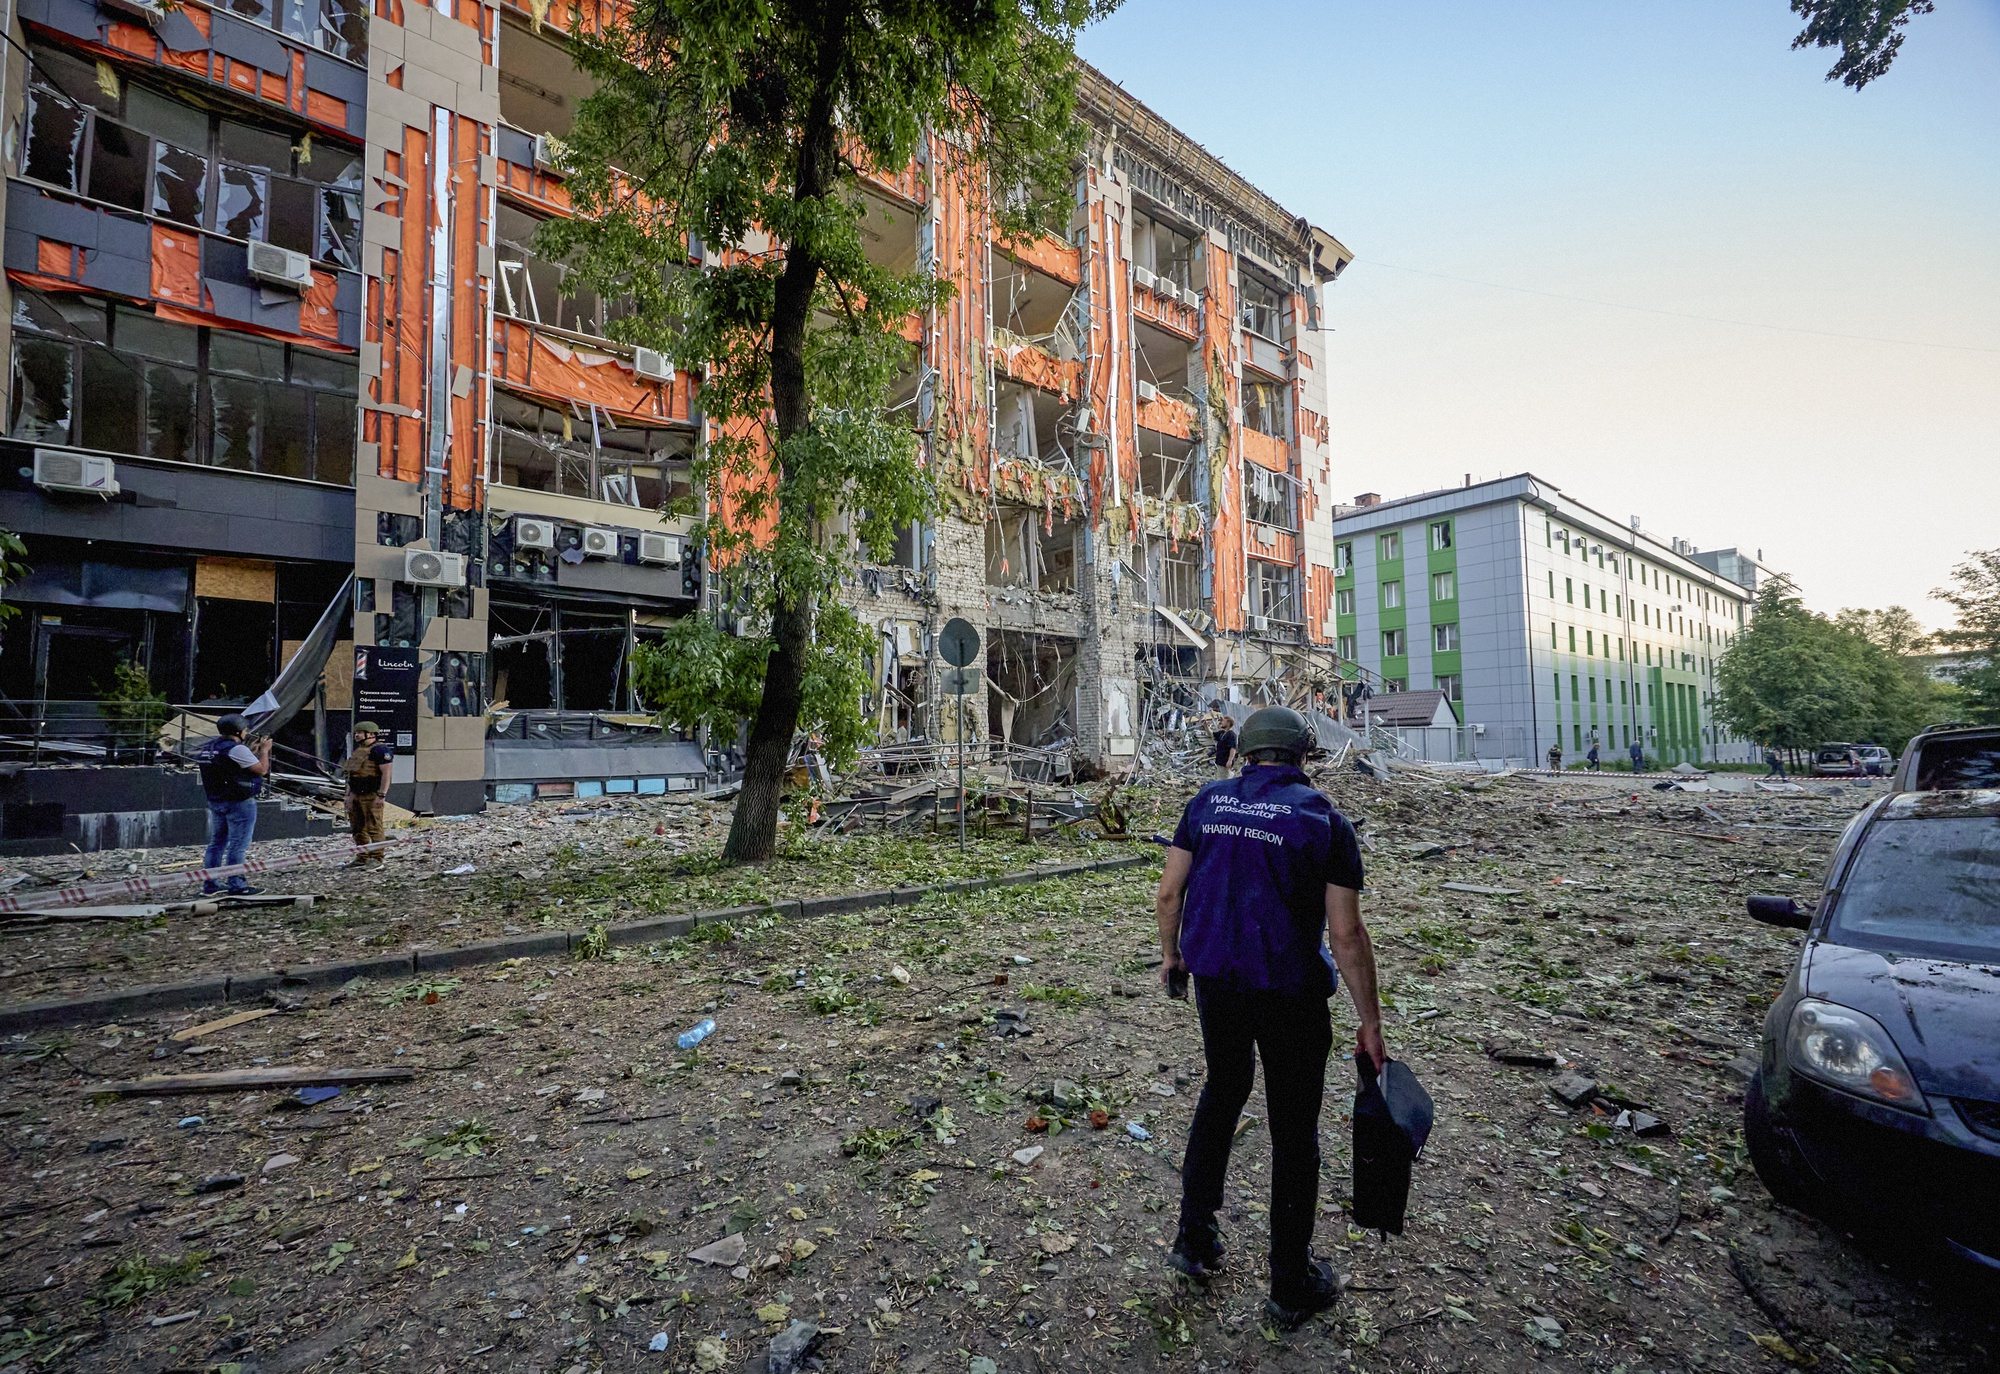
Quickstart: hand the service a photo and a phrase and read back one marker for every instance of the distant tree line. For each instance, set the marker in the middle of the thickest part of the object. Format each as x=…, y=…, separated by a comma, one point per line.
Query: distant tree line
x=1795, y=679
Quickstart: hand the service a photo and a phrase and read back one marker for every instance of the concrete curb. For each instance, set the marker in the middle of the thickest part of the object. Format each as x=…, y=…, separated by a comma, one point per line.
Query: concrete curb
x=251, y=986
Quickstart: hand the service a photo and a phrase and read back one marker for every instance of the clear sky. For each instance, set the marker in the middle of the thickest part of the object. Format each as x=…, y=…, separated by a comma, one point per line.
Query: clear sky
x=1677, y=156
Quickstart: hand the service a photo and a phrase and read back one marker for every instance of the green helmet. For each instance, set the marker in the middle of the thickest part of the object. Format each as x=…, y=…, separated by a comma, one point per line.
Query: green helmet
x=1276, y=728
x=367, y=727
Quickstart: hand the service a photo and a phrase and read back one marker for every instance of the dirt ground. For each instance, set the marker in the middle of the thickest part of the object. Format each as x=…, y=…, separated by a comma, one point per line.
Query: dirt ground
x=530, y=1201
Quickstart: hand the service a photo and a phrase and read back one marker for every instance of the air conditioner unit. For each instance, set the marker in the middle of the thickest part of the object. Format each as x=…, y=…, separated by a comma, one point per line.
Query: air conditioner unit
x=1145, y=278
x=57, y=470
x=1171, y=290
x=1260, y=623
x=534, y=534
x=427, y=568
x=664, y=549
x=653, y=364
x=280, y=266
x=1148, y=392
x=599, y=542
x=549, y=152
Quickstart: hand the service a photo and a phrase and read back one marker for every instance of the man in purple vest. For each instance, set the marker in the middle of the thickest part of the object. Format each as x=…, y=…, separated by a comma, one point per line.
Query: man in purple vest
x=1260, y=866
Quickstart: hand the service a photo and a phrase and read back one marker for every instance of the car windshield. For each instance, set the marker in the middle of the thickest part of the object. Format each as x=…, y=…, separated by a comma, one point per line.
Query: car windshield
x=1924, y=886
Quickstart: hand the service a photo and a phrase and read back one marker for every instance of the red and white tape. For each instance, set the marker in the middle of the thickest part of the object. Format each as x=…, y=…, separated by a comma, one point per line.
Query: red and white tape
x=147, y=885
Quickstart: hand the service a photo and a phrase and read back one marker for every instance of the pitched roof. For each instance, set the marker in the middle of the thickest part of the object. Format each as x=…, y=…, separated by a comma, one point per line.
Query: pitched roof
x=1406, y=708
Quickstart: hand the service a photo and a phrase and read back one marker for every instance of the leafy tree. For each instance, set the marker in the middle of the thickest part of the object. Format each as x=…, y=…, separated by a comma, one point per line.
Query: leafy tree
x=1975, y=595
x=719, y=125
x=1790, y=679
x=1894, y=631
x=1794, y=679
x=1867, y=32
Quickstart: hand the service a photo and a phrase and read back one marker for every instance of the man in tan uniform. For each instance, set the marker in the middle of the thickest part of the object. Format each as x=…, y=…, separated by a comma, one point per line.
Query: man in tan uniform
x=367, y=773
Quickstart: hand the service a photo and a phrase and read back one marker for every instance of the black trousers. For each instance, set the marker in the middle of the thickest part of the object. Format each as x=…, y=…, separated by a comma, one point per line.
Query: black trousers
x=1294, y=1035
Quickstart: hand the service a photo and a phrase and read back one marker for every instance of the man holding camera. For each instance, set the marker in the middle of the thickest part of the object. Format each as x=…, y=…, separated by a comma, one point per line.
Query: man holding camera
x=1260, y=865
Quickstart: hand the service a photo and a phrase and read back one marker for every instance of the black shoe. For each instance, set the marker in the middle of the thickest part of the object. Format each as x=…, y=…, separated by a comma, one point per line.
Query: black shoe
x=1197, y=1253
x=241, y=891
x=1291, y=1303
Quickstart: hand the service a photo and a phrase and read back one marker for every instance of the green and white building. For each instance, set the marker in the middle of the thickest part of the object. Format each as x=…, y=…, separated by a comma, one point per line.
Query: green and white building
x=1545, y=621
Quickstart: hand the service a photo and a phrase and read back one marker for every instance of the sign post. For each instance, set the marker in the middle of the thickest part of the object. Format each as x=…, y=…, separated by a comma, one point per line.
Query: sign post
x=958, y=642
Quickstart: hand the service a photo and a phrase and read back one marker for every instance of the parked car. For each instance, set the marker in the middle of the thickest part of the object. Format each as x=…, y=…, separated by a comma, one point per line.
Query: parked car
x=1877, y=1096
x=1837, y=761
x=1876, y=761
x=1950, y=757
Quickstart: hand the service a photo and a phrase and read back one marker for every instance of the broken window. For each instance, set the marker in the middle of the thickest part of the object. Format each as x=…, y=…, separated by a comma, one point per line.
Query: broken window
x=1173, y=574
x=1274, y=592
x=343, y=28
x=41, y=392
x=1268, y=498
x=271, y=408
x=1264, y=408
x=1262, y=307
x=541, y=290
x=139, y=148
x=585, y=452
x=56, y=130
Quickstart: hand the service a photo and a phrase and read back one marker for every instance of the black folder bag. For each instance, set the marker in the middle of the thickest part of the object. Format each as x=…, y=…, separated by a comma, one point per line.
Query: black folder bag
x=1392, y=1120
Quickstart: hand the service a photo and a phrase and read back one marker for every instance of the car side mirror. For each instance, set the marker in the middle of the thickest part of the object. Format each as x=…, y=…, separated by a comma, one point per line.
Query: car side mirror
x=1778, y=911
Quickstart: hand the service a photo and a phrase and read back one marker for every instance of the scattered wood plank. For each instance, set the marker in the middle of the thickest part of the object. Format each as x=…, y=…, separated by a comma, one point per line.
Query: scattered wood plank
x=245, y=1080
x=241, y=1018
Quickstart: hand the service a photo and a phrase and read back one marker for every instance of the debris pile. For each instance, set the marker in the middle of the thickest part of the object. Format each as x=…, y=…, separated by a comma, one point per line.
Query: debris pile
x=847, y=1169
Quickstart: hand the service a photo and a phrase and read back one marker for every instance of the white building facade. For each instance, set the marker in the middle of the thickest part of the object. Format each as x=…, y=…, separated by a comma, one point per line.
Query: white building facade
x=1547, y=622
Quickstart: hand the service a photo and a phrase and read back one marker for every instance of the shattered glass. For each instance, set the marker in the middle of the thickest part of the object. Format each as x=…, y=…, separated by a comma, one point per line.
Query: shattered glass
x=41, y=391
x=241, y=199
x=343, y=28
x=180, y=183
x=340, y=228
x=55, y=140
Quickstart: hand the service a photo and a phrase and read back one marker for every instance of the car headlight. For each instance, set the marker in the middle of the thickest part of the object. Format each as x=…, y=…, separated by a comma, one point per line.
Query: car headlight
x=1847, y=1050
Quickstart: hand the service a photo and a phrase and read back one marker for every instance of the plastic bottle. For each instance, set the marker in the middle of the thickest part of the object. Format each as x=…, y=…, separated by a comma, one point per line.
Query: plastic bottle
x=698, y=1033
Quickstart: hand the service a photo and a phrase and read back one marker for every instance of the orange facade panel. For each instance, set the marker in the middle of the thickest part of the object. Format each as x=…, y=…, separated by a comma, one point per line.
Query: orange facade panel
x=1225, y=476
x=1181, y=318
x=1032, y=366
x=1046, y=253
x=561, y=373
x=1274, y=545
x=1166, y=415
x=1267, y=451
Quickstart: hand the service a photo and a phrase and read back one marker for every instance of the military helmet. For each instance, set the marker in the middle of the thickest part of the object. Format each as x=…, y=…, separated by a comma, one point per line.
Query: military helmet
x=1278, y=729
x=232, y=725
x=367, y=727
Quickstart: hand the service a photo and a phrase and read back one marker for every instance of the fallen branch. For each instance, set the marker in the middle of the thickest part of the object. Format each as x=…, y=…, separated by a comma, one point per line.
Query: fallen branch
x=245, y=1080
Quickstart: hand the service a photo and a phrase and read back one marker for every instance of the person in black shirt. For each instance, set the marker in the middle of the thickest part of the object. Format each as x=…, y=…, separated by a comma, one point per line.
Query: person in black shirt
x=232, y=774
x=1225, y=747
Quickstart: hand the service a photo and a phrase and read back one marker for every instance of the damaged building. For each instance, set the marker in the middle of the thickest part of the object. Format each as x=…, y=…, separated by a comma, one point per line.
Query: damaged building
x=1128, y=428
x=297, y=417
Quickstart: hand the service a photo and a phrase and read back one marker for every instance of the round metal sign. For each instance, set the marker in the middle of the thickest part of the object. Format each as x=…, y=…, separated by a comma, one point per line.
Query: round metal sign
x=958, y=642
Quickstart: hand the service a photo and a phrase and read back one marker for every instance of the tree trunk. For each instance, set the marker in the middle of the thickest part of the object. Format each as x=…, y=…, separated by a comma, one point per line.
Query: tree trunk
x=753, y=830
